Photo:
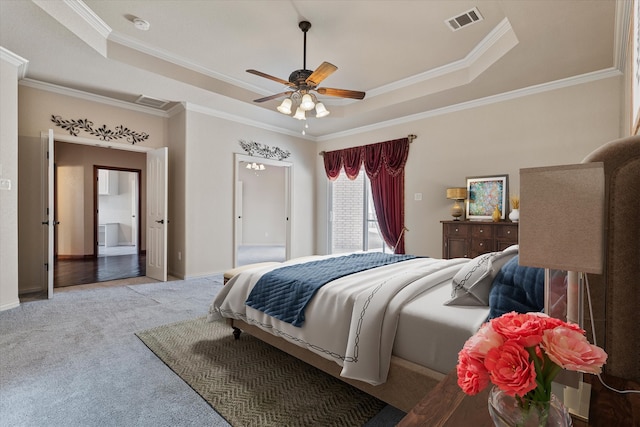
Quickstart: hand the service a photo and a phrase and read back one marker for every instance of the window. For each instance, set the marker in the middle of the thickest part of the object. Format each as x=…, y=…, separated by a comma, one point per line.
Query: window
x=353, y=225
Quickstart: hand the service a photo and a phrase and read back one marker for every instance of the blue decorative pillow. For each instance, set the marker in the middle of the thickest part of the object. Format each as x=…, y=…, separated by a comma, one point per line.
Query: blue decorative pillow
x=516, y=288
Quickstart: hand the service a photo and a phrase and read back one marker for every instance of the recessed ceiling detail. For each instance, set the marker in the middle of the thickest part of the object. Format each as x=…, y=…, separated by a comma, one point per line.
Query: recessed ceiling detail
x=469, y=17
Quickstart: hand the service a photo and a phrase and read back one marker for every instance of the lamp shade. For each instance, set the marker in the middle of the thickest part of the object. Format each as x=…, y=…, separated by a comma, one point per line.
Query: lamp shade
x=321, y=111
x=458, y=193
x=562, y=217
x=285, y=107
x=307, y=102
x=299, y=114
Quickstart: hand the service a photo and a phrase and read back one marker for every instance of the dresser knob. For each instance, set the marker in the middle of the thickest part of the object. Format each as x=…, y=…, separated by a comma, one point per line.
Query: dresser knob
x=508, y=231
x=456, y=230
x=481, y=230
x=481, y=244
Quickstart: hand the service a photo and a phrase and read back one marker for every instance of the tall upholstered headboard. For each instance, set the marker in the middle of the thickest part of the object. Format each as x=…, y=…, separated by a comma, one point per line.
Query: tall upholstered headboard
x=616, y=293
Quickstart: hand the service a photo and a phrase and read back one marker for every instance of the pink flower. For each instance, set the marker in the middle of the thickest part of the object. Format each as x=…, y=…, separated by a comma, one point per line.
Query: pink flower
x=525, y=329
x=510, y=369
x=570, y=350
x=484, y=340
x=472, y=375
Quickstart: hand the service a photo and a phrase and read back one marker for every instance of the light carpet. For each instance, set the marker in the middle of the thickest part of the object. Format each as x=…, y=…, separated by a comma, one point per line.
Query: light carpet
x=251, y=383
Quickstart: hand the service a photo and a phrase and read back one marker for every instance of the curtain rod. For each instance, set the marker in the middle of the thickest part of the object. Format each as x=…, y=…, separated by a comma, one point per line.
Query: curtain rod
x=409, y=137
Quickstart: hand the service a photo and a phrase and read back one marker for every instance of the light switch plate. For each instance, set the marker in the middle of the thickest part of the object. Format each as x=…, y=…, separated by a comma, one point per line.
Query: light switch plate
x=5, y=184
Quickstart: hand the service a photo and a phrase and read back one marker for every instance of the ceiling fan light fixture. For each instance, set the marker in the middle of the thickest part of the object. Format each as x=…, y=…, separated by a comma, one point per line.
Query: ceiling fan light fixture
x=321, y=110
x=285, y=107
x=299, y=114
x=307, y=103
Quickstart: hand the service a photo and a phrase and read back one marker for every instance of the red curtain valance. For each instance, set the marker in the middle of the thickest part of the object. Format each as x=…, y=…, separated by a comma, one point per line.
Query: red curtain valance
x=384, y=164
x=391, y=155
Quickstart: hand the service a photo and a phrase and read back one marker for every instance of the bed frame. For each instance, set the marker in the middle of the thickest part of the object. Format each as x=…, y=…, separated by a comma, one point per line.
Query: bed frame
x=616, y=294
x=406, y=384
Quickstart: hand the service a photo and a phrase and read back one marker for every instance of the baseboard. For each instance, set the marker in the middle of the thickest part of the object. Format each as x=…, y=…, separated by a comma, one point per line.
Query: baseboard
x=72, y=257
x=10, y=305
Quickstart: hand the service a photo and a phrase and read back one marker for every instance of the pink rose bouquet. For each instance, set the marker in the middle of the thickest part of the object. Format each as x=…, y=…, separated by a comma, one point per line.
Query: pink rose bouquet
x=521, y=354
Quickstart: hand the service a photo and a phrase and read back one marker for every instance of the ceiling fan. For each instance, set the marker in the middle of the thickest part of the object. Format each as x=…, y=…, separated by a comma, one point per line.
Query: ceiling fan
x=302, y=82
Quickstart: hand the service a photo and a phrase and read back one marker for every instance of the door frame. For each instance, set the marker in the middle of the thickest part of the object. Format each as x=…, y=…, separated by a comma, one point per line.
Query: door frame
x=96, y=204
x=237, y=204
x=52, y=137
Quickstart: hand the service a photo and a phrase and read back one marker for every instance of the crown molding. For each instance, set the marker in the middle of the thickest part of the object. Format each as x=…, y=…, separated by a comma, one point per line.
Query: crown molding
x=519, y=93
x=80, y=7
x=61, y=90
x=243, y=120
x=180, y=61
x=16, y=60
x=502, y=30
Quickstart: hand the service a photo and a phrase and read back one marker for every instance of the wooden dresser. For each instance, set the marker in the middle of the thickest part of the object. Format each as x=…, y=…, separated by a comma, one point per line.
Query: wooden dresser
x=468, y=239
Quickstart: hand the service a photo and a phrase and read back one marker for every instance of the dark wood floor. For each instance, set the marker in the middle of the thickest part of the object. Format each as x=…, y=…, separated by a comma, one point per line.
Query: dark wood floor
x=100, y=269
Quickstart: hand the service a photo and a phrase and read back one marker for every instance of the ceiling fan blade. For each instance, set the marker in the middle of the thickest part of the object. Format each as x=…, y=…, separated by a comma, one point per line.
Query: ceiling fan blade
x=267, y=76
x=322, y=72
x=269, y=98
x=341, y=93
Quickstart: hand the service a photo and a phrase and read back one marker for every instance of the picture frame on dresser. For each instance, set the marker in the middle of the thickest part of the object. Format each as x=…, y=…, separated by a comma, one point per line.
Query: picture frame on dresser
x=484, y=193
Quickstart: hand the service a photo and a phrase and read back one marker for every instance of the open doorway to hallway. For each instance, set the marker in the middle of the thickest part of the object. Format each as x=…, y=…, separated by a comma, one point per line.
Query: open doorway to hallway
x=99, y=197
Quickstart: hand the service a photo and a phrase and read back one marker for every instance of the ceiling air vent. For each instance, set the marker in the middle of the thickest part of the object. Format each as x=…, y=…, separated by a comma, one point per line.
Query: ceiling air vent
x=467, y=18
x=151, y=102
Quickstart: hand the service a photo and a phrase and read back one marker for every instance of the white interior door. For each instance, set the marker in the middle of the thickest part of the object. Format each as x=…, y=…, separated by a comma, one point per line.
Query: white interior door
x=50, y=221
x=134, y=209
x=157, y=175
x=238, y=220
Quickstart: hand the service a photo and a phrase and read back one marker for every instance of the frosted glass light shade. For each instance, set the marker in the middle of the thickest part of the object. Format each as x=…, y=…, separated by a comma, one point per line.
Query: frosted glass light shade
x=307, y=102
x=285, y=107
x=299, y=114
x=321, y=111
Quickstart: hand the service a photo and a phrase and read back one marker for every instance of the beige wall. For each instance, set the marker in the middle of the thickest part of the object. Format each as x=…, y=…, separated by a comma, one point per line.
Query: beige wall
x=555, y=127
x=208, y=224
x=35, y=108
x=8, y=197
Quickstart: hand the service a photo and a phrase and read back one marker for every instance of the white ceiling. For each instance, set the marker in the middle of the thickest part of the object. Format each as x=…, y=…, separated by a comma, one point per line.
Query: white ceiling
x=401, y=53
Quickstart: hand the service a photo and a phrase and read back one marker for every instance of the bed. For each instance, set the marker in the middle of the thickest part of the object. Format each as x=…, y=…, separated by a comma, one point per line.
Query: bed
x=376, y=328
x=421, y=332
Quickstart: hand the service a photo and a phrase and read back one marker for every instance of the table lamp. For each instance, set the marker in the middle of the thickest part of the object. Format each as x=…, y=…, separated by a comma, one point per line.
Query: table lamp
x=458, y=194
x=562, y=210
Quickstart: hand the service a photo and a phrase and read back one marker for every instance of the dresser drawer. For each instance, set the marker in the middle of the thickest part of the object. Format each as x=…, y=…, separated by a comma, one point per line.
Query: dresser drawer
x=507, y=232
x=481, y=246
x=482, y=231
x=457, y=230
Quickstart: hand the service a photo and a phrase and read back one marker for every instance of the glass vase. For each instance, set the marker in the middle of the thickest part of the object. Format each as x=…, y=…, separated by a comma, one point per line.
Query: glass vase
x=507, y=411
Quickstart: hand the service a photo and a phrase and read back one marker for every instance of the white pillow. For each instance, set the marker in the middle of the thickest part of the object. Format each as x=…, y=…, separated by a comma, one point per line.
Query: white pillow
x=472, y=283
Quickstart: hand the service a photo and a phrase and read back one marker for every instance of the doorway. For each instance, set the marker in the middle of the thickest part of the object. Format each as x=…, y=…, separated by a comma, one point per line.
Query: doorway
x=262, y=210
x=117, y=207
x=98, y=235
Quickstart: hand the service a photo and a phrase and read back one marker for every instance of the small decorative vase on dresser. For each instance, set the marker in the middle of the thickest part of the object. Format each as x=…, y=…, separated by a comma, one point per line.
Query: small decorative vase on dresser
x=514, y=215
x=509, y=411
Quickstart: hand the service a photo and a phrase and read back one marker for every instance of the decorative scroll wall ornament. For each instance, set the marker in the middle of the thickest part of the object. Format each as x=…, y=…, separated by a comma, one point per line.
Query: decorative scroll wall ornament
x=105, y=134
x=252, y=148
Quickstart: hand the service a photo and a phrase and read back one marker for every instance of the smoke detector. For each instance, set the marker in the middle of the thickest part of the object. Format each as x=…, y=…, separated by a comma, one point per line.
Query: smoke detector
x=141, y=24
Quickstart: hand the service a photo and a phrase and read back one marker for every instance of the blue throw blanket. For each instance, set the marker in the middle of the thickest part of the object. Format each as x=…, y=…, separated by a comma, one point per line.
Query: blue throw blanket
x=285, y=292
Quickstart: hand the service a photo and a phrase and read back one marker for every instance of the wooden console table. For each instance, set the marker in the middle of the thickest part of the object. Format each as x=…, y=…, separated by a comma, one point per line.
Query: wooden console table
x=448, y=406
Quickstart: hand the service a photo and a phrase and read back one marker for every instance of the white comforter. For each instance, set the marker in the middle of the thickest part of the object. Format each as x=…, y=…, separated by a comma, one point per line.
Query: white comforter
x=351, y=320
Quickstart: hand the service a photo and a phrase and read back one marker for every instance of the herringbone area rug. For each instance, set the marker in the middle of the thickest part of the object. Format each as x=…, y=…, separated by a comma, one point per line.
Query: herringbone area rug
x=251, y=383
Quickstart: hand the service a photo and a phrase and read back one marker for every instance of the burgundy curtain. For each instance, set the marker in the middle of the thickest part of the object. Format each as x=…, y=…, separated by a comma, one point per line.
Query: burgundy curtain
x=384, y=164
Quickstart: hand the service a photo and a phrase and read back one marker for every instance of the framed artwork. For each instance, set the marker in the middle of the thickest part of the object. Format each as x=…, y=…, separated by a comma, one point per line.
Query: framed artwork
x=484, y=193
